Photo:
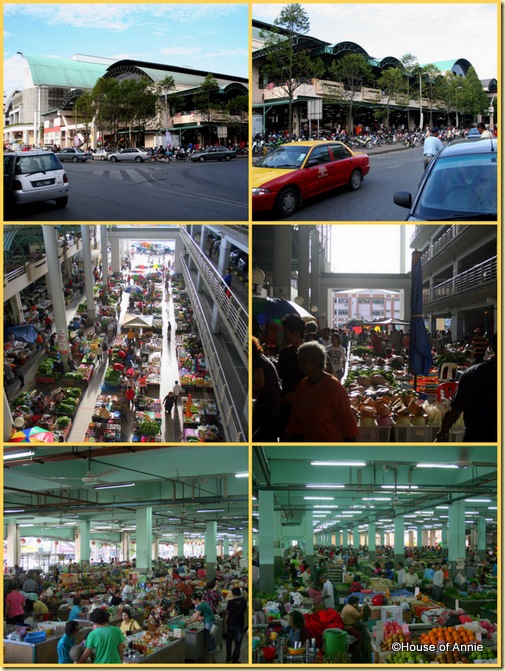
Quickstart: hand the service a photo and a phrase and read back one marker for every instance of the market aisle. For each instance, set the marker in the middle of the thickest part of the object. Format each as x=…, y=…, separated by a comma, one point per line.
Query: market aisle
x=171, y=426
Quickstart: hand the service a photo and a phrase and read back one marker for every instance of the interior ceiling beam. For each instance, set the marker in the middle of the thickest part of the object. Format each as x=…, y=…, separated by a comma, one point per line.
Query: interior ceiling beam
x=75, y=454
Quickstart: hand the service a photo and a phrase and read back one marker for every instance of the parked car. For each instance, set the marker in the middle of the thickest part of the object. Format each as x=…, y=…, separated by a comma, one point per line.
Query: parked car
x=129, y=154
x=99, y=155
x=34, y=176
x=74, y=154
x=459, y=184
x=289, y=174
x=473, y=134
x=214, y=154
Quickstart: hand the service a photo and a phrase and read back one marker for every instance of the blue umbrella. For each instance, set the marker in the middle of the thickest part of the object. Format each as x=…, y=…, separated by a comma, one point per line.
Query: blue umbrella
x=133, y=288
x=420, y=357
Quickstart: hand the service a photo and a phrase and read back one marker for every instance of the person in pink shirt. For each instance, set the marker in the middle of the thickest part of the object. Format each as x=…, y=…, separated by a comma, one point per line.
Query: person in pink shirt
x=14, y=606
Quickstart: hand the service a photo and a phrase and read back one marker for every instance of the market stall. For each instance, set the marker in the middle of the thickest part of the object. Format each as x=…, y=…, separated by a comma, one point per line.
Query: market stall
x=42, y=649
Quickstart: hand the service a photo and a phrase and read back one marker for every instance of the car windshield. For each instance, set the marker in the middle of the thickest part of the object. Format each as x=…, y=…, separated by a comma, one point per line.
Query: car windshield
x=288, y=156
x=460, y=187
x=29, y=164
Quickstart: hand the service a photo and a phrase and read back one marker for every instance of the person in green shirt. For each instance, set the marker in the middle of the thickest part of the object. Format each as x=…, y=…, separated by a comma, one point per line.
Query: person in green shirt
x=204, y=612
x=107, y=641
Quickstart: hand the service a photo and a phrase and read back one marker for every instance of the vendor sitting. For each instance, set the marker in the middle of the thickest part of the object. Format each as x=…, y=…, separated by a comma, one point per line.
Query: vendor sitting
x=37, y=609
x=76, y=612
x=474, y=587
x=296, y=630
x=356, y=585
x=351, y=615
x=128, y=624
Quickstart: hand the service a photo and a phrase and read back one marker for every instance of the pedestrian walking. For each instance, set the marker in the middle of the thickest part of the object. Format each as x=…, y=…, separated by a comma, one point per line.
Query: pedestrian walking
x=105, y=350
x=169, y=402
x=130, y=396
x=227, y=280
x=169, y=331
x=176, y=391
x=432, y=146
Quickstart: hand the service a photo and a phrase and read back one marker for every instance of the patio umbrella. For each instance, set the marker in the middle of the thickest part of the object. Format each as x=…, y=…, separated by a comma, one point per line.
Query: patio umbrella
x=35, y=434
x=420, y=357
x=140, y=267
x=267, y=309
x=133, y=289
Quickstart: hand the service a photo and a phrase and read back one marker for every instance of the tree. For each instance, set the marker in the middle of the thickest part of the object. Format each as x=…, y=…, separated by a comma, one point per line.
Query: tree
x=106, y=96
x=287, y=66
x=352, y=71
x=473, y=99
x=205, y=101
x=237, y=109
x=163, y=88
x=85, y=111
x=390, y=82
x=409, y=63
x=429, y=74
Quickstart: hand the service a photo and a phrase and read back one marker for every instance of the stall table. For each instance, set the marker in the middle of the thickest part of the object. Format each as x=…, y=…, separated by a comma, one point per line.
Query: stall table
x=173, y=653
x=19, y=652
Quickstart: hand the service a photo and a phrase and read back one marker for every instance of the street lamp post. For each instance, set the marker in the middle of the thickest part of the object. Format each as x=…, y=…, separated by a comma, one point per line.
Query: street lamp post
x=457, y=89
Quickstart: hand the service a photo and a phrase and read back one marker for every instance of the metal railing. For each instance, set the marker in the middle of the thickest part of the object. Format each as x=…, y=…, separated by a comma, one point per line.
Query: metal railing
x=451, y=234
x=231, y=418
x=481, y=275
x=229, y=308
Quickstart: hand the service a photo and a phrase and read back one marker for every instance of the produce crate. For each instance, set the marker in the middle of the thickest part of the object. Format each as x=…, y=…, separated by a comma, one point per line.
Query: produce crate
x=45, y=380
x=413, y=434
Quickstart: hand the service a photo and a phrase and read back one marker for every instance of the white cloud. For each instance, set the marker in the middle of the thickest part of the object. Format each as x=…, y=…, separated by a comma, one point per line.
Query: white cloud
x=110, y=17
x=14, y=73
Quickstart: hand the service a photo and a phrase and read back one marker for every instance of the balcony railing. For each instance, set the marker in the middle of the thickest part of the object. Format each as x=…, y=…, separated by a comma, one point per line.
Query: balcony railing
x=230, y=415
x=230, y=309
x=451, y=234
x=481, y=275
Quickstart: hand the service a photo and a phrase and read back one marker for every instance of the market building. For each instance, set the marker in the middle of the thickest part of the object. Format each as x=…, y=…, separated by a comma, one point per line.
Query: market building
x=43, y=111
x=344, y=539
x=91, y=311
x=145, y=524
x=312, y=111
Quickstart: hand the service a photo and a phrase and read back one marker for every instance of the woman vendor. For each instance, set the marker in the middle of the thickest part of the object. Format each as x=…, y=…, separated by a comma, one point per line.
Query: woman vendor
x=204, y=612
x=128, y=624
x=296, y=630
x=351, y=615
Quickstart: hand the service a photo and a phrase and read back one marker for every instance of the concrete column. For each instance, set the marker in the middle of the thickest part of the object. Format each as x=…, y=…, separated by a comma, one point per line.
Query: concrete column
x=115, y=256
x=399, y=539
x=8, y=421
x=355, y=537
x=226, y=546
x=371, y=541
x=125, y=546
x=144, y=538
x=314, y=270
x=345, y=538
x=54, y=280
x=48, y=287
x=13, y=546
x=309, y=538
x=223, y=263
x=211, y=548
x=82, y=549
x=179, y=248
x=266, y=538
x=382, y=537
x=481, y=534
x=419, y=535
x=105, y=258
x=88, y=275
x=444, y=540
x=277, y=538
x=155, y=547
x=456, y=549
x=245, y=545
x=192, y=265
x=304, y=264
x=282, y=262
x=180, y=544
x=17, y=310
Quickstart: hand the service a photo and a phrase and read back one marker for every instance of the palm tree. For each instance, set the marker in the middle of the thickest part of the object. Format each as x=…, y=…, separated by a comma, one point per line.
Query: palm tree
x=409, y=63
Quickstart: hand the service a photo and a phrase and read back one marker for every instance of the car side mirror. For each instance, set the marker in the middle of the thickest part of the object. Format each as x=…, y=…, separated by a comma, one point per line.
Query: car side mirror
x=403, y=199
x=312, y=162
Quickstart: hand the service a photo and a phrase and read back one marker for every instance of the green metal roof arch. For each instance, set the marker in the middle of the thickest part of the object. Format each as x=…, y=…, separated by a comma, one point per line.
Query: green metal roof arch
x=63, y=72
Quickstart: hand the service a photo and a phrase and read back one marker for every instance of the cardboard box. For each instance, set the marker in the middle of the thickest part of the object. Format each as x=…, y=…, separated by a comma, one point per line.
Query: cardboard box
x=390, y=613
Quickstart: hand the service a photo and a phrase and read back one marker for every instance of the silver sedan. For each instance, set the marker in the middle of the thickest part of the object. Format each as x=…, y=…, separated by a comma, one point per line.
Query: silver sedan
x=73, y=154
x=129, y=154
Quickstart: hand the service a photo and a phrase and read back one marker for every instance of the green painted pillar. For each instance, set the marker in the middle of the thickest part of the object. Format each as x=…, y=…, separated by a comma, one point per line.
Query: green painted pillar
x=144, y=537
x=419, y=535
x=345, y=538
x=399, y=538
x=309, y=538
x=371, y=541
x=266, y=540
x=445, y=537
x=277, y=542
x=211, y=548
x=481, y=535
x=355, y=537
x=456, y=540
x=180, y=544
x=82, y=549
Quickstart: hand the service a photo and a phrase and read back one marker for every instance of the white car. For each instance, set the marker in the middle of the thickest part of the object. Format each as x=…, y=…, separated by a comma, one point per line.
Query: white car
x=32, y=177
x=129, y=154
x=99, y=155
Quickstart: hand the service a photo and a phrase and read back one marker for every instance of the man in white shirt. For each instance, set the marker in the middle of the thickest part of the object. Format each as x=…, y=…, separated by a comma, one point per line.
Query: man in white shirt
x=411, y=580
x=176, y=391
x=438, y=583
x=432, y=146
x=327, y=596
x=400, y=576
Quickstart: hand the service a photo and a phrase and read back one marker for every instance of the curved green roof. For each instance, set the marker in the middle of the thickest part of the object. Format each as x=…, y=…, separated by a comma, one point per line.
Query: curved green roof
x=48, y=71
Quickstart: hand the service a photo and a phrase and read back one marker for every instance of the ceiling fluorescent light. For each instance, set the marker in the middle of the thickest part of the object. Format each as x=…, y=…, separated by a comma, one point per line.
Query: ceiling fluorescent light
x=118, y=486
x=18, y=455
x=338, y=463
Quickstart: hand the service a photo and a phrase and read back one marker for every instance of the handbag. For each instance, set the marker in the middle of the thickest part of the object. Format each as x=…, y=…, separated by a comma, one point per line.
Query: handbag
x=213, y=630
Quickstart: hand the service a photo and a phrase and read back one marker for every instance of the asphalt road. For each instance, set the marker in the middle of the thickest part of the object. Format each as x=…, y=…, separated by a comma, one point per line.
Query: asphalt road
x=178, y=191
x=399, y=170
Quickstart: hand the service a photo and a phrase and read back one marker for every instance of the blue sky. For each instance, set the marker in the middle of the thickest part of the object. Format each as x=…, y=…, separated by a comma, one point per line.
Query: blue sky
x=202, y=36
x=432, y=32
